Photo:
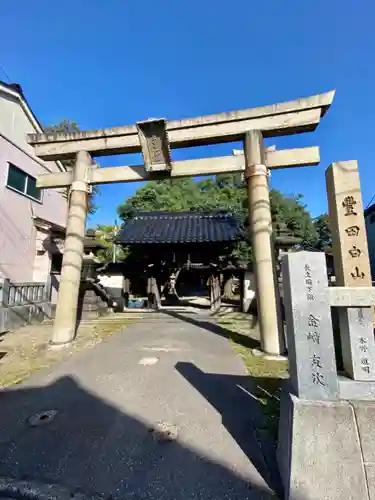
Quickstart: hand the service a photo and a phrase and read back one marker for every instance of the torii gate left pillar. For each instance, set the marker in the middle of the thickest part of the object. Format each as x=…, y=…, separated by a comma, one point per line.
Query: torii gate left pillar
x=64, y=326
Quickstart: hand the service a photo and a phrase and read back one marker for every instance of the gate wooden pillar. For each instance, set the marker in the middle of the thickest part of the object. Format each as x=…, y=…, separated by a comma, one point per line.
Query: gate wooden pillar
x=153, y=295
x=256, y=174
x=64, y=327
x=126, y=291
x=215, y=291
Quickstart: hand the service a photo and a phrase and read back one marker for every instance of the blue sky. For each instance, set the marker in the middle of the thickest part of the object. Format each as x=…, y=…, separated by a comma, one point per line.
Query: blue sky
x=114, y=62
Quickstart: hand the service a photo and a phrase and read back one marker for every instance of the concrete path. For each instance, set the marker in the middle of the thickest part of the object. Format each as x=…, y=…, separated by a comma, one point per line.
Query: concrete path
x=162, y=373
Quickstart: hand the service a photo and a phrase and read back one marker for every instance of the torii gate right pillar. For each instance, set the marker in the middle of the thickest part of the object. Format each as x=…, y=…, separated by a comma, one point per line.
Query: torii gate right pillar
x=256, y=174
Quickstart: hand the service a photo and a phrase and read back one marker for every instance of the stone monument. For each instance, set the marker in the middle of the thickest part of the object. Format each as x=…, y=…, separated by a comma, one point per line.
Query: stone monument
x=324, y=448
x=312, y=364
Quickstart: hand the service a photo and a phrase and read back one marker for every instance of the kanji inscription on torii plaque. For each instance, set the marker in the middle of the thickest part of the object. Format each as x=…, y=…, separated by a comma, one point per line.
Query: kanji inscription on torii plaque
x=154, y=143
x=352, y=266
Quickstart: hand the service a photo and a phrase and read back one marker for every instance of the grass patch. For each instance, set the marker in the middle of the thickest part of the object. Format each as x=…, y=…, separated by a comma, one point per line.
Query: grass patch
x=27, y=349
x=268, y=376
x=259, y=366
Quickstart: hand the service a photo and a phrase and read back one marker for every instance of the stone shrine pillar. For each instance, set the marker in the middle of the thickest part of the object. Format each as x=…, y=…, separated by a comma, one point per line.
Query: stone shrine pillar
x=311, y=354
x=352, y=267
x=64, y=327
x=256, y=175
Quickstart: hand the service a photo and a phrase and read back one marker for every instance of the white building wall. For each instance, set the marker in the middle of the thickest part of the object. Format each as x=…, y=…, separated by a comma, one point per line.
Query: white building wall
x=18, y=246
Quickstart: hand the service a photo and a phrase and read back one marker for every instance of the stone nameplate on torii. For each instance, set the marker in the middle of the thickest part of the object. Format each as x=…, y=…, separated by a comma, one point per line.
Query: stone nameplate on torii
x=154, y=142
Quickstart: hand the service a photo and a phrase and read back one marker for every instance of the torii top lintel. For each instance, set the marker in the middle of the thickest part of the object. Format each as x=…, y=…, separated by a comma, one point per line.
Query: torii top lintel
x=287, y=118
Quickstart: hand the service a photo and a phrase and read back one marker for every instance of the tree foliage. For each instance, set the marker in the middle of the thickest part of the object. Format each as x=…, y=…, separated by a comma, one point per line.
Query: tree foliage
x=221, y=192
x=323, y=240
x=106, y=234
x=224, y=193
x=292, y=213
x=70, y=126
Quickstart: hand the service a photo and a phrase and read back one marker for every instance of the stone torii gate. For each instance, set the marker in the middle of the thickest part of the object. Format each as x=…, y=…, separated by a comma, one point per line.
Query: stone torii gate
x=155, y=139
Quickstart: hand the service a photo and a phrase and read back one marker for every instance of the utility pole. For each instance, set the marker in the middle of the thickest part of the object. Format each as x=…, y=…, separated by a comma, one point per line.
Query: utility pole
x=115, y=232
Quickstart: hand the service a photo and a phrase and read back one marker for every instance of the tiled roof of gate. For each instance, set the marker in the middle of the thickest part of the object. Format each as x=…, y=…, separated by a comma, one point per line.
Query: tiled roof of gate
x=180, y=227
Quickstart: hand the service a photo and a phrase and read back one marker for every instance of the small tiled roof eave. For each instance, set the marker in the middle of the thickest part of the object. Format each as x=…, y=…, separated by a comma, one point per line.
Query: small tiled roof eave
x=180, y=227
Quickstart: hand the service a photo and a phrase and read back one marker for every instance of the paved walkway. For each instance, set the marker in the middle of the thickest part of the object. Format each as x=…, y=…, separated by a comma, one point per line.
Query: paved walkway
x=165, y=374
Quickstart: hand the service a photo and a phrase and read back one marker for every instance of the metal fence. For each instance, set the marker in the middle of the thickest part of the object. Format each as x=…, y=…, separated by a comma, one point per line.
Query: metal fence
x=19, y=294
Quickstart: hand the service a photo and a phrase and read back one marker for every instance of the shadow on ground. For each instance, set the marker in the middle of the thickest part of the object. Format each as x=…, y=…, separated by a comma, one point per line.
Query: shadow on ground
x=238, y=401
x=248, y=408
x=91, y=445
x=239, y=338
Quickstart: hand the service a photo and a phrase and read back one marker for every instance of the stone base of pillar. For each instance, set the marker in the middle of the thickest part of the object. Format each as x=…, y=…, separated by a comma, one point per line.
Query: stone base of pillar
x=322, y=449
x=52, y=346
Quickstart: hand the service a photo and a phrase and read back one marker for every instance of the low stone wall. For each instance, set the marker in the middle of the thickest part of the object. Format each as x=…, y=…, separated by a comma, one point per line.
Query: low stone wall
x=14, y=317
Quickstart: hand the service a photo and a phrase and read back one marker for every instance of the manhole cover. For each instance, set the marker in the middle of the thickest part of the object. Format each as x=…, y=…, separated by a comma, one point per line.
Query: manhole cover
x=41, y=418
x=163, y=432
x=148, y=361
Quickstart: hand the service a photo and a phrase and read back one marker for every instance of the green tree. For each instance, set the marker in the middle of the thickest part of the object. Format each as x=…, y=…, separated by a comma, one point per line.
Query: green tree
x=106, y=234
x=169, y=195
x=290, y=211
x=70, y=126
x=323, y=233
x=222, y=192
